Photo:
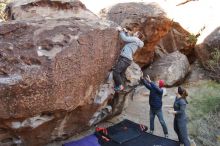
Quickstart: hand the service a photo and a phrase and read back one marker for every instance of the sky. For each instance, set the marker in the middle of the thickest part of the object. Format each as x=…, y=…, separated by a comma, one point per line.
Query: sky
x=192, y=16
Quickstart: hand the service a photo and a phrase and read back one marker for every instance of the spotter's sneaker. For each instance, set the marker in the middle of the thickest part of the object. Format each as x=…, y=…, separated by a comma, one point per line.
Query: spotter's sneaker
x=166, y=136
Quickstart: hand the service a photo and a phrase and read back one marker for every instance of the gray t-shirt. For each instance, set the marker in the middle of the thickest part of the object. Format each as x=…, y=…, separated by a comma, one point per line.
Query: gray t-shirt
x=131, y=46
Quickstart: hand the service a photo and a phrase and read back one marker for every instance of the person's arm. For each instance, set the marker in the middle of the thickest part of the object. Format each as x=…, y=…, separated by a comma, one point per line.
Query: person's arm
x=146, y=84
x=140, y=43
x=159, y=90
x=128, y=39
x=182, y=109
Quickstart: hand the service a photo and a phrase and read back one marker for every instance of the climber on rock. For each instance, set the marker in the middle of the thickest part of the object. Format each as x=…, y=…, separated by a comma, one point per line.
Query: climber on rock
x=133, y=41
x=155, y=101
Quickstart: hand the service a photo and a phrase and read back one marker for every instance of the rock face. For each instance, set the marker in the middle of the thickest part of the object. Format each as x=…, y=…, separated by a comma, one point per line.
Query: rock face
x=51, y=70
x=47, y=9
x=172, y=68
x=210, y=43
x=162, y=35
x=177, y=39
x=197, y=73
x=133, y=74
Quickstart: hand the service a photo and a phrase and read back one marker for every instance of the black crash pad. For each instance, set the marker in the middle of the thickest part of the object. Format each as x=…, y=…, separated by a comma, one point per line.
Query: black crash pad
x=128, y=133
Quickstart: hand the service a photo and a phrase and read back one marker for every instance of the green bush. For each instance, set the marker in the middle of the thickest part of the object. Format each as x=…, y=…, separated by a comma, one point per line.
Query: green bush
x=213, y=65
x=203, y=112
x=192, y=39
x=204, y=99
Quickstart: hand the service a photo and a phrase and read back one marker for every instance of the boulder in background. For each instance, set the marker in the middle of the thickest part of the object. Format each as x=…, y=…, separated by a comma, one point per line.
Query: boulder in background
x=172, y=68
x=47, y=9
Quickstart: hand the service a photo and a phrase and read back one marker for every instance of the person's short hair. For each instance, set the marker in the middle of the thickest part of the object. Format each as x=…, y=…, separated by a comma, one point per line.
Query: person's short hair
x=128, y=28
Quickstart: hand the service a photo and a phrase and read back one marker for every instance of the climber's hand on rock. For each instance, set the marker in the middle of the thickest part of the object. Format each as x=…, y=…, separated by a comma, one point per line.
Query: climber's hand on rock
x=125, y=30
x=119, y=28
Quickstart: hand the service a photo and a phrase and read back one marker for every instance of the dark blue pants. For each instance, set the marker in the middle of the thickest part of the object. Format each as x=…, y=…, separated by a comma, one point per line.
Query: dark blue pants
x=181, y=131
x=159, y=114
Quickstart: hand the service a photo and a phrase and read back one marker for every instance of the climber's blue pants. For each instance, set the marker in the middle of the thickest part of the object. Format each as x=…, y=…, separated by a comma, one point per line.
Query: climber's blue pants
x=159, y=114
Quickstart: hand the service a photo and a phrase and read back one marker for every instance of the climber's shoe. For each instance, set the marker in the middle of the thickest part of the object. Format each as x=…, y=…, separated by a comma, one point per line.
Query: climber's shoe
x=119, y=88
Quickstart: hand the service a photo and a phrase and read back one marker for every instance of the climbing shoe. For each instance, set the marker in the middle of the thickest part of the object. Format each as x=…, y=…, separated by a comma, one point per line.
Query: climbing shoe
x=119, y=88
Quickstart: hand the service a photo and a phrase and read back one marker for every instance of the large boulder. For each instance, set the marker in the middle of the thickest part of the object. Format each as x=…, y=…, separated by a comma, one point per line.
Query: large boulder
x=51, y=71
x=47, y=9
x=172, y=68
x=197, y=73
x=177, y=39
x=162, y=35
x=209, y=54
x=211, y=42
